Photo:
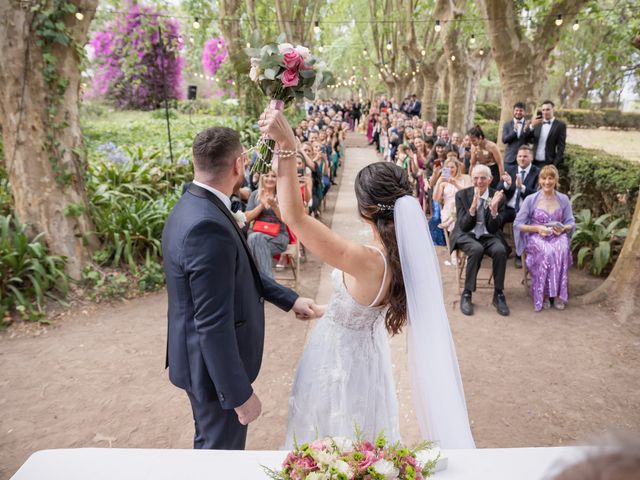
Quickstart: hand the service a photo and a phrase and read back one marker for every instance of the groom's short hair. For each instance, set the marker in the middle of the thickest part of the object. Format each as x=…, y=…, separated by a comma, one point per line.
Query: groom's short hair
x=214, y=150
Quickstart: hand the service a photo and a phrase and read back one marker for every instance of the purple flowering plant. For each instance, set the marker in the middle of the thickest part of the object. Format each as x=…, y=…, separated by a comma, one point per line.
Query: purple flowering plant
x=134, y=56
x=214, y=54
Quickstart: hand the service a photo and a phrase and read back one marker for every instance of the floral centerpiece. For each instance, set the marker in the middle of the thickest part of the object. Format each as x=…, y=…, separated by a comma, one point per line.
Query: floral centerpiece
x=283, y=73
x=344, y=459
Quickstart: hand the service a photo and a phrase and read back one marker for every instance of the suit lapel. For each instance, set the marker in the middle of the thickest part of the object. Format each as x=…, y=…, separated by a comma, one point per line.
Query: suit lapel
x=204, y=193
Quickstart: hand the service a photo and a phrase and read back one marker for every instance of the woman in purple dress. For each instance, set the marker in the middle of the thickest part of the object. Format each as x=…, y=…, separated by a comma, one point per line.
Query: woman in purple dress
x=542, y=229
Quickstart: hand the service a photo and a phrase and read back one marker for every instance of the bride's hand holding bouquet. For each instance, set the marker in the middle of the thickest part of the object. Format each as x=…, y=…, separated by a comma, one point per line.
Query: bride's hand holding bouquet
x=283, y=73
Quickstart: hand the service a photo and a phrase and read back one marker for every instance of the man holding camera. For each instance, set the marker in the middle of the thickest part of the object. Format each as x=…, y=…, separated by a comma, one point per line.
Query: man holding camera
x=549, y=136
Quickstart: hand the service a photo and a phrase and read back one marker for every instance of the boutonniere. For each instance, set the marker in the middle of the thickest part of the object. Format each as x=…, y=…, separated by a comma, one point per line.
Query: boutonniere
x=240, y=218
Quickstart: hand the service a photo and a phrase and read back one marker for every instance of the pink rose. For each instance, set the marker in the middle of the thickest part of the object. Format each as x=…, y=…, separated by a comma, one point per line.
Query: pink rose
x=290, y=78
x=306, y=463
x=368, y=460
x=367, y=446
x=292, y=60
x=290, y=460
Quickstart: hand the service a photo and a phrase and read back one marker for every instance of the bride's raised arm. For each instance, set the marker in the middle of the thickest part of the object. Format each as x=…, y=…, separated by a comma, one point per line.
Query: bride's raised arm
x=350, y=257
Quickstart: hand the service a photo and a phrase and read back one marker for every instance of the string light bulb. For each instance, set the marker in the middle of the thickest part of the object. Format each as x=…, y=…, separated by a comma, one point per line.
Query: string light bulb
x=79, y=15
x=559, y=20
x=389, y=46
x=321, y=49
x=196, y=23
x=473, y=39
x=453, y=58
x=316, y=27
x=576, y=25
x=481, y=52
x=365, y=52
x=438, y=27
x=248, y=45
x=423, y=52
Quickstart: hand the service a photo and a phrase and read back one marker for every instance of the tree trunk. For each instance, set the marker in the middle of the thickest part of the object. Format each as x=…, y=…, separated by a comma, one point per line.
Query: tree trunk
x=621, y=289
x=45, y=184
x=522, y=63
x=430, y=95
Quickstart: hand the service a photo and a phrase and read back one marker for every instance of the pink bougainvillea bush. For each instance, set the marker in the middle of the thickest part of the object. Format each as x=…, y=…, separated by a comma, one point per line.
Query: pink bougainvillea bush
x=214, y=54
x=136, y=58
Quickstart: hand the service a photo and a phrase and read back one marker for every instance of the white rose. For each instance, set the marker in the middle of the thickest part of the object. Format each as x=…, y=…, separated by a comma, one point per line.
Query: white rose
x=386, y=468
x=343, y=444
x=254, y=73
x=323, y=458
x=285, y=48
x=303, y=51
x=425, y=456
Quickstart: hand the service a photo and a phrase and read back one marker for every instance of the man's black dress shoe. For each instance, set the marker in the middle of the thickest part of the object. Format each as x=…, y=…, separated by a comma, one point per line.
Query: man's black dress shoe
x=501, y=304
x=466, y=306
x=518, y=262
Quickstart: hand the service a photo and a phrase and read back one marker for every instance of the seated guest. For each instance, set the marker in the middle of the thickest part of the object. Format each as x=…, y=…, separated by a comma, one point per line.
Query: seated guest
x=478, y=230
x=518, y=182
x=542, y=229
x=268, y=235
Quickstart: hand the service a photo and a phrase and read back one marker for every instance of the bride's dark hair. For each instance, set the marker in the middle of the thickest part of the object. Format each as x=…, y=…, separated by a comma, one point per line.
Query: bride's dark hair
x=378, y=186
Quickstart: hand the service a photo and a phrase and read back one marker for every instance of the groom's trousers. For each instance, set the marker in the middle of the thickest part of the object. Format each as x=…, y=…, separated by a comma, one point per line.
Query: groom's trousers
x=216, y=428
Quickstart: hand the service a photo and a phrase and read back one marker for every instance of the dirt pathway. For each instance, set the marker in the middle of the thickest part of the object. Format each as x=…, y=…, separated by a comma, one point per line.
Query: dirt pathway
x=96, y=378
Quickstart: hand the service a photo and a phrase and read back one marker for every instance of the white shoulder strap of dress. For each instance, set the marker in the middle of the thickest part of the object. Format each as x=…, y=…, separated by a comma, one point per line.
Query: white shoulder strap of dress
x=384, y=276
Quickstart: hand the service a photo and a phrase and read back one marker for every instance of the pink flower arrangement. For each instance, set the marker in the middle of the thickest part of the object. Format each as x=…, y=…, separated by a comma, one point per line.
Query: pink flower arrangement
x=284, y=72
x=339, y=457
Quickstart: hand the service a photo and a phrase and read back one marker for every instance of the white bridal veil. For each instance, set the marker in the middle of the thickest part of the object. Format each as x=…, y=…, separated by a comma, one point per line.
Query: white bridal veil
x=437, y=390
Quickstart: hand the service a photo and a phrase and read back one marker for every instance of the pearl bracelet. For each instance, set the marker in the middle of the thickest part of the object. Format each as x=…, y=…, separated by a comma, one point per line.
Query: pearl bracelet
x=286, y=153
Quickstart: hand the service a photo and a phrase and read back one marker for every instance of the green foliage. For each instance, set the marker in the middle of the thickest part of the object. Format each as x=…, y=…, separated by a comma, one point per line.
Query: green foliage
x=611, y=118
x=606, y=183
x=597, y=241
x=51, y=32
x=486, y=113
x=161, y=114
x=6, y=200
x=27, y=273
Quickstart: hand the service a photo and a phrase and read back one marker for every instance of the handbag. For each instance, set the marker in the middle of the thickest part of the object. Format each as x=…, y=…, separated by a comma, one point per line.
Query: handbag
x=268, y=228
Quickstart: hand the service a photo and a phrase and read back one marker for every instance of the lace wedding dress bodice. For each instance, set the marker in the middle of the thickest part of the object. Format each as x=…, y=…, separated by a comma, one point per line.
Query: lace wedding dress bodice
x=344, y=379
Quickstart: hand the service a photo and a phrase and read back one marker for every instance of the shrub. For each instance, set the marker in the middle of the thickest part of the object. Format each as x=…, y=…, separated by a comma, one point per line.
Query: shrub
x=606, y=183
x=597, y=241
x=484, y=112
x=612, y=118
x=6, y=200
x=27, y=273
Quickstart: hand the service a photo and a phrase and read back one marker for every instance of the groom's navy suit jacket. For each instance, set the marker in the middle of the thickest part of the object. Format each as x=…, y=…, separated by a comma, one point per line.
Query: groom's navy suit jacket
x=216, y=301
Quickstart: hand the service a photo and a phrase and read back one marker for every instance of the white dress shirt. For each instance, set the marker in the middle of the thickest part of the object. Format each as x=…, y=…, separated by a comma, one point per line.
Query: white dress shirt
x=223, y=198
x=519, y=124
x=480, y=226
x=512, y=202
x=542, y=143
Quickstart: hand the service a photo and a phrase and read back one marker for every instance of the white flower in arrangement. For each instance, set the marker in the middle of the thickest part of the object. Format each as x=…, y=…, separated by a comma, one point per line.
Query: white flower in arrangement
x=343, y=444
x=386, y=469
x=343, y=467
x=319, y=476
x=324, y=458
x=240, y=218
x=303, y=51
x=285, y=48
x=428, y=455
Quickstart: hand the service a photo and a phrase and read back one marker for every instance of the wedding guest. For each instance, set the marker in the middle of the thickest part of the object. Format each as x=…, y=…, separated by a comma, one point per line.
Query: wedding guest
x=484, y=152
x=515, y=133
x=465, y=157
x=450, y=183
x=478, y=231
x=519, y=182
x=543, y=229
x=549, y=136
x=268, y=235
x=419, y=167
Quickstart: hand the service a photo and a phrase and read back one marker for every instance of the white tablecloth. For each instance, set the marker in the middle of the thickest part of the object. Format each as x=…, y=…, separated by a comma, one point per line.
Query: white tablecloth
x=142, y=464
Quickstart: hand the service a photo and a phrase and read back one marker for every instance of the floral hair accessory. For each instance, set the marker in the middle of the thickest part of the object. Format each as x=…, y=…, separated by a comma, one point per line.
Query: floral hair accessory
x=385, y=208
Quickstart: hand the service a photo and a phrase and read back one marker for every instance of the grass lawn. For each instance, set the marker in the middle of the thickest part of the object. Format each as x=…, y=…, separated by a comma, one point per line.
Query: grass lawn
x=617, y=142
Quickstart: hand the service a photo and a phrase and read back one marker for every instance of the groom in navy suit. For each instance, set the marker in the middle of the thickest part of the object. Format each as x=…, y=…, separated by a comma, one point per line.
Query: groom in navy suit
x=216, y=297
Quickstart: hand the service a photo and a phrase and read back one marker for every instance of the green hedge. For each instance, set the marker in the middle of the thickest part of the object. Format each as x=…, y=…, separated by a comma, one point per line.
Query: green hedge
x=611, y=118
x=607, y=183
x=484, y=112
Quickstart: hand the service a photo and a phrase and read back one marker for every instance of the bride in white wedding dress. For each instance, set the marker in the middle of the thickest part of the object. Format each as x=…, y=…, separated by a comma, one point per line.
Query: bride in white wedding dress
x=344, y=379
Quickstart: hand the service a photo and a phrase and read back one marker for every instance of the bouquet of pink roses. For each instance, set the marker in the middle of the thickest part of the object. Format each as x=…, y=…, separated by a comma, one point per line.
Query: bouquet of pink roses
x=284, y=73
x=339, y=457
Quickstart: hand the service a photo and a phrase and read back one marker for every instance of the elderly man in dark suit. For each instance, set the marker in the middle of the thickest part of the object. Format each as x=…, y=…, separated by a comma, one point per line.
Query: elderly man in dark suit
x=515, y=133
x=518, y=182
x=478, y=230
x=216, y=297
x=549, y=137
